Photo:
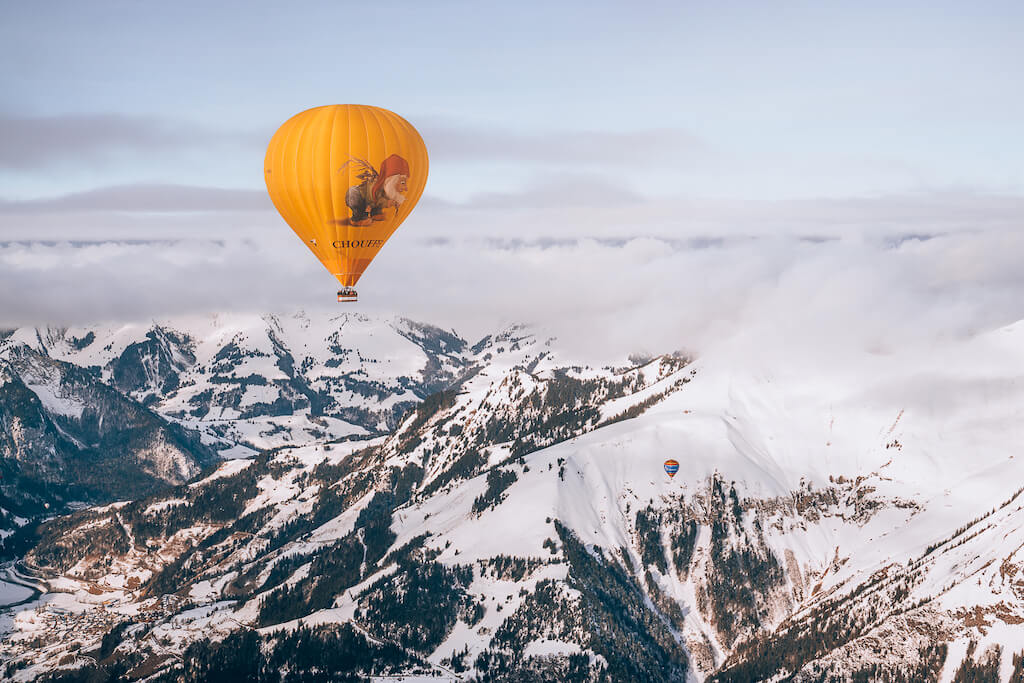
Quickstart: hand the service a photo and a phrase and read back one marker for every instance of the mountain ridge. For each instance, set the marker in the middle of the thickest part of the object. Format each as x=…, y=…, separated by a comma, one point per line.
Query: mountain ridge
x=517, y=525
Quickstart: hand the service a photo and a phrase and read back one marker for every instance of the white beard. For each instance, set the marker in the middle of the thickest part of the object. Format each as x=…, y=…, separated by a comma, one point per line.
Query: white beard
x=390, y=189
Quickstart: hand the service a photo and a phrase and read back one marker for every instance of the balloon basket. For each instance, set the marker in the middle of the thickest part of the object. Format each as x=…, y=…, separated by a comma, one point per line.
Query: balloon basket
x=346, y=295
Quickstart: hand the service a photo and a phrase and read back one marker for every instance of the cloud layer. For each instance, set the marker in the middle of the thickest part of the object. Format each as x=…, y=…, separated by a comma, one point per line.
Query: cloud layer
x=579, y=246
x=143, y=199
x=33, y=143
x=649, y=276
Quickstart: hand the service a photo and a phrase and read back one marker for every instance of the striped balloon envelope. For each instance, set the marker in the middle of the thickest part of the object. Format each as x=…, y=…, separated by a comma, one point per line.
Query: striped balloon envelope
x=344, y=177
x=671, y=467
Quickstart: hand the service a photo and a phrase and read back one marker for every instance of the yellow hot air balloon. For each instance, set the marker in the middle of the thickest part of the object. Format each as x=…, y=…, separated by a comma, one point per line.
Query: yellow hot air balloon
x=344, y=177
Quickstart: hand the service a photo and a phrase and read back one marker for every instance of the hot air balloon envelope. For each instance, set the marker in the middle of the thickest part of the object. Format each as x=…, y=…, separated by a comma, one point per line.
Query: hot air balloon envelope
x=671, y=467
x=344, y=177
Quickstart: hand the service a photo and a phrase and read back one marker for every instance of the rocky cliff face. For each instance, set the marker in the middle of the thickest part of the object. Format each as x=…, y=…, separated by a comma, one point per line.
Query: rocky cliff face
x=65, y=436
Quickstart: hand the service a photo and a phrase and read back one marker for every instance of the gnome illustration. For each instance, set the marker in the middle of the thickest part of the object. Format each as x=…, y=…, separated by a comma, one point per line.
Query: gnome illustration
x=378, y=190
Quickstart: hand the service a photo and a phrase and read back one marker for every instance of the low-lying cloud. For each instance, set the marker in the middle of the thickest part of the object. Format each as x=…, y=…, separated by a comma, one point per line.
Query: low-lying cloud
x=29, y=144
x=144, y=199
x=640, y=293
x=578, y=253
x=33, y=143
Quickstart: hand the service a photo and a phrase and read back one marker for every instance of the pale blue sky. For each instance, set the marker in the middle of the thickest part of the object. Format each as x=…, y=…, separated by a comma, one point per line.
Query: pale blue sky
x=759, y=100
x=661, y=167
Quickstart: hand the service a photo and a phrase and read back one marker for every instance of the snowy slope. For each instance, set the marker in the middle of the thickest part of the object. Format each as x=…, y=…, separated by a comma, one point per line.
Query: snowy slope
x=66, y=436
x=250, y=382
x=827, y=517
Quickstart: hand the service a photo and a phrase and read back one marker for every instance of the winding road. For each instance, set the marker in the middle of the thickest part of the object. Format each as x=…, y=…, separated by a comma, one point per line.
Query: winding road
x=16, y=574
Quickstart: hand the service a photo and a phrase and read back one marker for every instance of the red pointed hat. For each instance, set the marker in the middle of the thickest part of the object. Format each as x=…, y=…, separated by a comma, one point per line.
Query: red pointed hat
x=393, y=165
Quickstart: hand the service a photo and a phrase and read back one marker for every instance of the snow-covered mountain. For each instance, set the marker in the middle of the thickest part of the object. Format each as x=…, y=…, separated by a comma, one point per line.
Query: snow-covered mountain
x=860, y=521
x=67, y=436
x=252, y=382
x=112, y=412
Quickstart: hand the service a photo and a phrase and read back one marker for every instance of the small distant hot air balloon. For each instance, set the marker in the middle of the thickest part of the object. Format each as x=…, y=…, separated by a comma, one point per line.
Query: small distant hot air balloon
x=671, y=467
x=344, y=177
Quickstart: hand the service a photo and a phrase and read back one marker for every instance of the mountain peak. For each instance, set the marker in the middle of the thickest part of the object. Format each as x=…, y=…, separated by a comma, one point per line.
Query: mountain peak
x=503, y=511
